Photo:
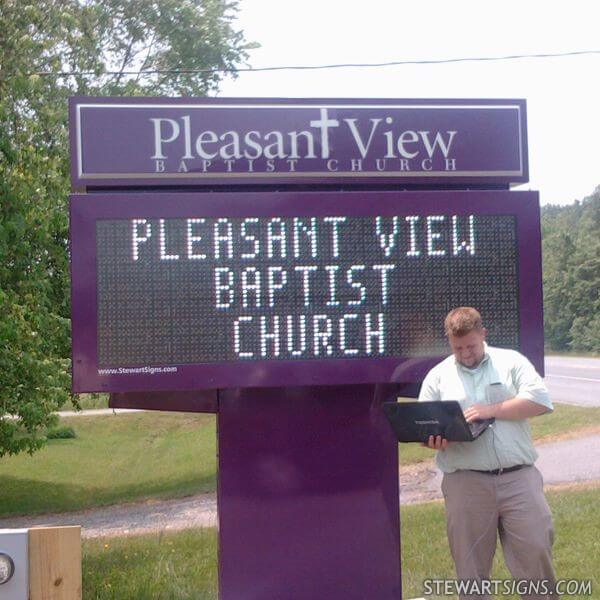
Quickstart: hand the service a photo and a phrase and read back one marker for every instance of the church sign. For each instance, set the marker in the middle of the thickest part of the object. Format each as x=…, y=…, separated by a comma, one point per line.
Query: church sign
x=215, y=142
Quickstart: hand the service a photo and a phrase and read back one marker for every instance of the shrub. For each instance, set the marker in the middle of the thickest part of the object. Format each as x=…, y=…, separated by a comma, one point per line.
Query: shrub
x=61, y=432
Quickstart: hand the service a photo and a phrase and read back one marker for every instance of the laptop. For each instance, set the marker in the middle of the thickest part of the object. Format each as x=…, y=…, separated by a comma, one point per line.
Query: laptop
x=416, y=421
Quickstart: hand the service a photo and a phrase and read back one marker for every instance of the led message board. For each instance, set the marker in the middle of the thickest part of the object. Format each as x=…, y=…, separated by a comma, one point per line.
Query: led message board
x=220, y=141
x=184, y=291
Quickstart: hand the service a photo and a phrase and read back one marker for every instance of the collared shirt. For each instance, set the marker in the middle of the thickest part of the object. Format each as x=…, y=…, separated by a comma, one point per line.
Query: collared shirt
x=502, y=374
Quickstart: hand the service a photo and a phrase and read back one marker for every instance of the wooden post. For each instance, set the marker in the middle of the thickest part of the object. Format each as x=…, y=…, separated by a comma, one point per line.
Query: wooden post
x=55, y=563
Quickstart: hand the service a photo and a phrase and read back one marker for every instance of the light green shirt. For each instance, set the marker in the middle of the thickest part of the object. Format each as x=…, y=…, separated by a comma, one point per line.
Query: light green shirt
x=502, y=374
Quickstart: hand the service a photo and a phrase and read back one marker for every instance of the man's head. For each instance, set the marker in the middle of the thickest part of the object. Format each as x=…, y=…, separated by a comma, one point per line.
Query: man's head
x=466, y=335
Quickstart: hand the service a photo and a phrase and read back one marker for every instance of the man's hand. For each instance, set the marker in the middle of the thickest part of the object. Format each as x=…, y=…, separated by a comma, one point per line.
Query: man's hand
x=479, y=412
x=436, y=443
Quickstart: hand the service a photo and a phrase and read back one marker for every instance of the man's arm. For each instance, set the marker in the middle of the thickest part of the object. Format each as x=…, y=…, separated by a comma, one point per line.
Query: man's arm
x=430, y=388
x=530, y=400
x=513, y=409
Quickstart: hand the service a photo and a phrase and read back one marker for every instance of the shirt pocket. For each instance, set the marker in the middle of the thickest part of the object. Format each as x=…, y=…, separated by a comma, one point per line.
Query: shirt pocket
x=497, y=392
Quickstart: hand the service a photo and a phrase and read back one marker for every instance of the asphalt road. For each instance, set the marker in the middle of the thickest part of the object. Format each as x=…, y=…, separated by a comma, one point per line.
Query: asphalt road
x=573, y=380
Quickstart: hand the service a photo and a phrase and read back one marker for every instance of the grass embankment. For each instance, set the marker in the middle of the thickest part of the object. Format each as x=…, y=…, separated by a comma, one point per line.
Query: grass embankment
x=113, y=459
x=159, y=455
x=184, y=565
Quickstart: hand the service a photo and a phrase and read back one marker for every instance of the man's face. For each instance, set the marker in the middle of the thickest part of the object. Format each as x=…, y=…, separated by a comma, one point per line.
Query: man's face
x=468, y=349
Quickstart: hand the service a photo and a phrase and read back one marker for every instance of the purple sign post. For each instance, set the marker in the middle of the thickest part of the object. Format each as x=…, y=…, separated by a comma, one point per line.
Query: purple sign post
x=293, y=314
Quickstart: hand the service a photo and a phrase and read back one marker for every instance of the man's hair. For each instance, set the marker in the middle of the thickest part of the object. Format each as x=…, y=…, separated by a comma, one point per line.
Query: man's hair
x=462, y=320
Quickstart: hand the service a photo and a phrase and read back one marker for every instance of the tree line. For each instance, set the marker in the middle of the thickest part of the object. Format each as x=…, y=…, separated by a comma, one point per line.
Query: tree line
x=571, y=275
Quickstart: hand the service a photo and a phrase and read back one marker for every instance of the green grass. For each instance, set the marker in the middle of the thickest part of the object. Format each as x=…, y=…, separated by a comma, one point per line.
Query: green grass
x=161, y=566
x=565, y=420
x=184, y=565
x=127, y=457
x=114, y=458
x=576, y=547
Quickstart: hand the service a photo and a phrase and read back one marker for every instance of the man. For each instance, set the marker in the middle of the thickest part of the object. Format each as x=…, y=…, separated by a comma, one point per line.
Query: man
x=491, y=486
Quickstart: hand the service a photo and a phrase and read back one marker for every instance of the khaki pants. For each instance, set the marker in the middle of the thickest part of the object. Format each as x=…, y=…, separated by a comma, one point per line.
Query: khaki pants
x=512, y=505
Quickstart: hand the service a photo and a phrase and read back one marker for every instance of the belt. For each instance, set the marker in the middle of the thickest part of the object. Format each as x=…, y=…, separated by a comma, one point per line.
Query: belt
x=499, y=471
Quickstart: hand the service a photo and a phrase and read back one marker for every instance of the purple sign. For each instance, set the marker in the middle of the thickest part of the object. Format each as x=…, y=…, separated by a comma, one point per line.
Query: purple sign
x=188, y=291
x=210, y=141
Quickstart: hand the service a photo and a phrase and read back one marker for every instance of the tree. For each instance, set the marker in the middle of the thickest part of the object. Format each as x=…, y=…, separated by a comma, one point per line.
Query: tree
x=584, y=304
x=99, y=46
x=571, y=251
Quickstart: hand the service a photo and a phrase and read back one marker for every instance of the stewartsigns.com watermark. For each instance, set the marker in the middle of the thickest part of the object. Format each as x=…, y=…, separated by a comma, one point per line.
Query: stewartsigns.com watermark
x=507, y=587
x=136, y=370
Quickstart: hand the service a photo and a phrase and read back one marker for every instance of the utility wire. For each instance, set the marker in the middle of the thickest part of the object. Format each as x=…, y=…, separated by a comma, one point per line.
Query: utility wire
x=320, y=67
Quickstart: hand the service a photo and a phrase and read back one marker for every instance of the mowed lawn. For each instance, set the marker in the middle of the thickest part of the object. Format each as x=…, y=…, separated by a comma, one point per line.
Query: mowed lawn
x=114, y=458
x=182, y=566
x=127, y=457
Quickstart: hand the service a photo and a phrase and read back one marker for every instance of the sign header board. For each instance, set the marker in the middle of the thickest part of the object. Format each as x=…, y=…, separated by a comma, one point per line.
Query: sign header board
x=214, y=141
x=188, y=291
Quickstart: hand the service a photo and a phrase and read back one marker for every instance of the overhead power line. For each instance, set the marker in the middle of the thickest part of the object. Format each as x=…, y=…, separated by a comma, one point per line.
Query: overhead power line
x=441, y=61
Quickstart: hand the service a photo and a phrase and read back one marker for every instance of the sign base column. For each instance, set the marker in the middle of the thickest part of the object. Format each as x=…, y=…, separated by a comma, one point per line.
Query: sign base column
x=307, y=495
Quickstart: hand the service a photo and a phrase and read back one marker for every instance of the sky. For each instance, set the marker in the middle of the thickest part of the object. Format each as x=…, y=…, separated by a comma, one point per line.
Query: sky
x=562, y=94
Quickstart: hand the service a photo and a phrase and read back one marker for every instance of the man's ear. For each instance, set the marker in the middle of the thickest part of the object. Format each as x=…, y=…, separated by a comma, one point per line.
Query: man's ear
x=484, y=332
